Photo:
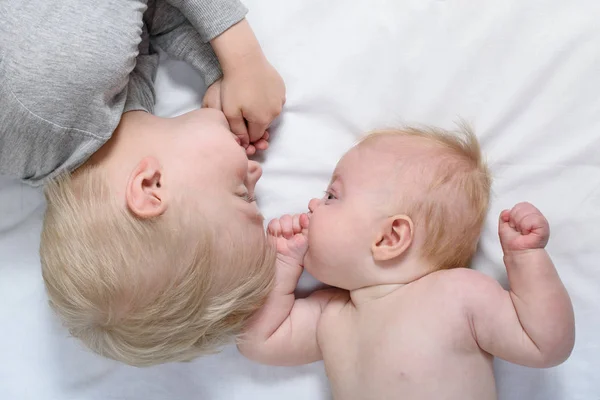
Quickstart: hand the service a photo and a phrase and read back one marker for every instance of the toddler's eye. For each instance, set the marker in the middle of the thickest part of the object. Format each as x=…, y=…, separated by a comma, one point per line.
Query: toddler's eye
x=248, y=198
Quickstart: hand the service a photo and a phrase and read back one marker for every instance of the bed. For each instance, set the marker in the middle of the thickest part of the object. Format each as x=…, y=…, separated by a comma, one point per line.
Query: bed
x=524, y=74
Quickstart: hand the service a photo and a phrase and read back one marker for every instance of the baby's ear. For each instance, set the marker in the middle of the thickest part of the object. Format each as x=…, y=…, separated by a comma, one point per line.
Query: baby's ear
x=145, y=194
x=394, y=238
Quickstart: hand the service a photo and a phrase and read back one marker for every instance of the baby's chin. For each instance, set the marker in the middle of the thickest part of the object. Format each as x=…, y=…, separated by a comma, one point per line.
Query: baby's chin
x=317, y=270
x=309, y=264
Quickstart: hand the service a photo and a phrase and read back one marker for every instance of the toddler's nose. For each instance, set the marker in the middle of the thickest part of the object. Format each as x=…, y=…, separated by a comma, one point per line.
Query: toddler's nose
x=313, y=204
x=254, y=174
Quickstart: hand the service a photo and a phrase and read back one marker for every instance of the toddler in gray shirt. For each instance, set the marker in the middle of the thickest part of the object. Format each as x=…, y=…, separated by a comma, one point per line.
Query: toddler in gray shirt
x=152, y=246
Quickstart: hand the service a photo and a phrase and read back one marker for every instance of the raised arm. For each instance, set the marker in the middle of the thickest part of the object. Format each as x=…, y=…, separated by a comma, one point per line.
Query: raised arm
x=284, y=330
x=172, y=32
x=252, y=91
x=215, y=38
x=533, y=323
x=210, y=18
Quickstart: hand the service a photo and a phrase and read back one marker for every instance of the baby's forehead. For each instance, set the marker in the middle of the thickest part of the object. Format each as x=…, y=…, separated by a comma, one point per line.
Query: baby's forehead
x=397, y=144
x=390, y=150
x=393, y=160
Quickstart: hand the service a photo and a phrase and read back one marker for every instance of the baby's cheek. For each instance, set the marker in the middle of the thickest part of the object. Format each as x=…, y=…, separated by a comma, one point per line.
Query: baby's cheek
x=318, y=247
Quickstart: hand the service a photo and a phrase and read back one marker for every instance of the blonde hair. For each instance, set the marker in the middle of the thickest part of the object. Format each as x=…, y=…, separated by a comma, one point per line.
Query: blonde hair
x=146, y=292
x=456, y=182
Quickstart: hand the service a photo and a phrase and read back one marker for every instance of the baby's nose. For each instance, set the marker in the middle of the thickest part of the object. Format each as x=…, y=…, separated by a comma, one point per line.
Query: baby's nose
x=313, y=204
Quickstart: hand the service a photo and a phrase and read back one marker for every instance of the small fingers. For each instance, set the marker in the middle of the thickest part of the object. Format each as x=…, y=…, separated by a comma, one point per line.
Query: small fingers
x=304, y=221
x=287, y=226
x=518, y=212
x=256, y=130
x=297, y=226
x=262, y=144
x=274, y=227
x=528, y=223
x=238, y=126
x=526, y=217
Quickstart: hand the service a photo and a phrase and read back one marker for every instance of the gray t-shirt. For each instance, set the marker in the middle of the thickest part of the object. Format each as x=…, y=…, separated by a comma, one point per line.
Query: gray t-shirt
x=70, y=68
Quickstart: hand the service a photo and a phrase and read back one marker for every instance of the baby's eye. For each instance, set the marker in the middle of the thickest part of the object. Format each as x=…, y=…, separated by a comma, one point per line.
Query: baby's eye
x=329, y=196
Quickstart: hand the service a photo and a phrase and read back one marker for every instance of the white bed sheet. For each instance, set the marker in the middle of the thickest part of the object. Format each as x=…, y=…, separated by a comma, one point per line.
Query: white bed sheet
x=525, y=74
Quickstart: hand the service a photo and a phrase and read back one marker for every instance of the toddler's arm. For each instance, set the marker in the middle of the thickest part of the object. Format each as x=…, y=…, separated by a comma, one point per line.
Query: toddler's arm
x=252, y=93
x=214, y=37
x=184, y=30
x=284, y=330
x=533, y=323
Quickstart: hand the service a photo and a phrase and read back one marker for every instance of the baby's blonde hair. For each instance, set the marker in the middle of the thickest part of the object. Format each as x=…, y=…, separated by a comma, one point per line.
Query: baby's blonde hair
x=456, y=183
x=149, y=291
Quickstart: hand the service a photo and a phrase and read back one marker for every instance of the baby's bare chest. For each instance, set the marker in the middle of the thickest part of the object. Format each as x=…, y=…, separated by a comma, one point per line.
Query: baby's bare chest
x=393, y=345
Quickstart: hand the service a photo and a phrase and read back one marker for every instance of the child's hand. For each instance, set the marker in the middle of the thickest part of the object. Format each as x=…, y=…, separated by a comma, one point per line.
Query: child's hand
x=252, y=92
x=212, y=96
x=212, y=99
x=252, y=96
x=290, y=233
x=523, y=227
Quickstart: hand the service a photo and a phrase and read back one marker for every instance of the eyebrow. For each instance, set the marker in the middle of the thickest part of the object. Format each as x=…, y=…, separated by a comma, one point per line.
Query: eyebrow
x=259, y=217
x=336, y=177
x=256, y=217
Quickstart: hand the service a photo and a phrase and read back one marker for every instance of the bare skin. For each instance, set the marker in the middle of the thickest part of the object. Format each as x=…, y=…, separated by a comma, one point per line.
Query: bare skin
x=427, y=335
x=388, y=347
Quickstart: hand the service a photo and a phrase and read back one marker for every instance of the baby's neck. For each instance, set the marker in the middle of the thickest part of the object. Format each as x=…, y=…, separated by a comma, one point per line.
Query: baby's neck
x=371, y=293
x=393, y=280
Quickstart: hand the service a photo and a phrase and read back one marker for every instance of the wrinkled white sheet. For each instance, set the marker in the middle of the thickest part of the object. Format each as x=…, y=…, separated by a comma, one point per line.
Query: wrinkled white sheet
x=525, y=74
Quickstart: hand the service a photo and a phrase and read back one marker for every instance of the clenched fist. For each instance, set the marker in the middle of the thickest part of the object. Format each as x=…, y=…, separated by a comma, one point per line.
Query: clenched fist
x=523, y=227
x=290, y=233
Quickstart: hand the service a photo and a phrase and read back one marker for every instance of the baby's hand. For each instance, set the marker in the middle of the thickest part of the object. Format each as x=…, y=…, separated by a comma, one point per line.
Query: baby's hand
x=290, y=233
x=252, y=96
x=523, y=227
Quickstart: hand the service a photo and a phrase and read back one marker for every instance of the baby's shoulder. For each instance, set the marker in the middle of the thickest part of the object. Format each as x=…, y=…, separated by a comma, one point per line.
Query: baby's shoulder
x=338, y=299
x=458, y=275
x=457, y=283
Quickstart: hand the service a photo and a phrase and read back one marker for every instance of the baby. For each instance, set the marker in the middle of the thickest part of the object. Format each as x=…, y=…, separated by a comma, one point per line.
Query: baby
x=399, y=221
x=152, y=248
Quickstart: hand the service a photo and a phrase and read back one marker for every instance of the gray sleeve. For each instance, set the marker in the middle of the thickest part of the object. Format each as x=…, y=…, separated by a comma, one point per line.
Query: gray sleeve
x=171, y=31
x=64, y=84
x=210, y=18
x=181, y=28
x=140, y=88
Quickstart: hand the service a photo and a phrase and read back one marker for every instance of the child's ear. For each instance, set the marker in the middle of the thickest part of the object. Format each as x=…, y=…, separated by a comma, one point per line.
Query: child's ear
x=393, y=239
x=145, y=194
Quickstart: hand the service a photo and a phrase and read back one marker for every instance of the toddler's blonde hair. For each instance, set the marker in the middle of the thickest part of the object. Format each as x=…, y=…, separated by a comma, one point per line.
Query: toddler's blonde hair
x=451, y=207
x=149, y=291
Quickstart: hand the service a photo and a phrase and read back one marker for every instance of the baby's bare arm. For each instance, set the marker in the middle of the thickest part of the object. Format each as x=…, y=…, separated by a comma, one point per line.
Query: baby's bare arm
x=533, y=323
x=284, y=331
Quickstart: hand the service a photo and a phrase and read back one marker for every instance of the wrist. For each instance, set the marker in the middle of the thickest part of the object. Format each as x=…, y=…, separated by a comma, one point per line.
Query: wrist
x=237, y=47
x=288, y=262
x=512, y=257
x=287, y=274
